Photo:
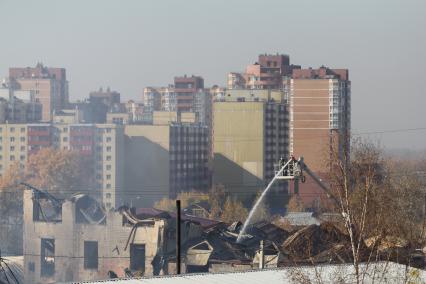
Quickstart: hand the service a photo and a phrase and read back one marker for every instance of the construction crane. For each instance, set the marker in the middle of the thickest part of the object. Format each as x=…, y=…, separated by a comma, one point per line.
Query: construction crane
x=294, y=169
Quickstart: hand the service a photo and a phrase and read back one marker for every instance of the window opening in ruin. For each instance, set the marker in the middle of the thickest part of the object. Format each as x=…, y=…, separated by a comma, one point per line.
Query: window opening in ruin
x=90, y=255
x=31, y=266
x=47, y=257
x=46, y=208
x=137, y=257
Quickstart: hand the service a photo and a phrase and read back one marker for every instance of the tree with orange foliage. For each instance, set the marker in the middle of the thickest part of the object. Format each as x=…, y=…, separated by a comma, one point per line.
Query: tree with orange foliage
x=11, y=210
x=60, y=171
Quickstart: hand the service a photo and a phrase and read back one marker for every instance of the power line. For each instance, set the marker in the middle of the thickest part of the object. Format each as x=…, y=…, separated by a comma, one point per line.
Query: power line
x=392, y=131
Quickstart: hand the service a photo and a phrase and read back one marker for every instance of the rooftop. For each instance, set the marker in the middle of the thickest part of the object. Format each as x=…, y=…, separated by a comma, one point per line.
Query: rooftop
x=385, y=272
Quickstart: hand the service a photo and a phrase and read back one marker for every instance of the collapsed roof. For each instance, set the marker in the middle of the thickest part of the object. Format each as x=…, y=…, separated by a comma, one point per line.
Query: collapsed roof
x=11, y=270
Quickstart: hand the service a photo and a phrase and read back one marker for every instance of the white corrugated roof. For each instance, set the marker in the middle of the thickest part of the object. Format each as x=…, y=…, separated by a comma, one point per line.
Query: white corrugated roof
x=385, y=273
x=301, y=218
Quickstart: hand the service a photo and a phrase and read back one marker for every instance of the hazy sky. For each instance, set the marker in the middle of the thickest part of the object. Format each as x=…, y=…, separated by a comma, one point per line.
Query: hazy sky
x=128, y=45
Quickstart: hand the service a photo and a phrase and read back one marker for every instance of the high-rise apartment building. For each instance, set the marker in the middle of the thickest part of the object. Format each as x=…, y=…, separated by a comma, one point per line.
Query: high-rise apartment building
x=168, y=99
x=109, y=163
x=202, y=107
x=152, y=98
x=101, y=102
x=318, y=103
x=159, y=98
x=250, y=136
x=163, y=160
x=104, y=143
x=18, y=106
x=131, y=163
x=319, y=117
x=13, y=145
x=186, y=95
x=49, y=85
x=186, y=88
x=268, y=72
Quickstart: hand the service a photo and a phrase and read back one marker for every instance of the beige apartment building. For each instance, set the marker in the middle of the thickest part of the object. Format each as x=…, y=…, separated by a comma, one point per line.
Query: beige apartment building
x=103, y=142
x=249, y=138
x=47, y=94
x=254, y=95
x=163, y=160
x=109, y=163
x=132, y=163
x=13, y=145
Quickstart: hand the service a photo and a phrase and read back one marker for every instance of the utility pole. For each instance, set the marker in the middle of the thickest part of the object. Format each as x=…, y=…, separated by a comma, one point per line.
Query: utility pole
x=424, y=212
x=178, y=221
x=262, y=256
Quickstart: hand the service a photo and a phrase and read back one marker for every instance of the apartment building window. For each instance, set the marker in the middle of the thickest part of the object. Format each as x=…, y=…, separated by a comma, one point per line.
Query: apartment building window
x=12, y=139
x=12, y=148
x=22, y=139
x=108, y=204
x=108, y=185
x=108, y=158
x=108, y=177
x=65, y=129
x=108, y=130
x=108, y=149
x=12, y=158
x=12, y=129
x=65, y=139
x=1, y=157
x=90, y=255
x=22, y=129
x=47, y=257
x=22, y=158
x=108, y=195
x=108, y=139
x=108, y=167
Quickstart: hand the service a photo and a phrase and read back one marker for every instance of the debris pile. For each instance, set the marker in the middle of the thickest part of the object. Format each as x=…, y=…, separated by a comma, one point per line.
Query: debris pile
x=322, y=243
x=11, y=270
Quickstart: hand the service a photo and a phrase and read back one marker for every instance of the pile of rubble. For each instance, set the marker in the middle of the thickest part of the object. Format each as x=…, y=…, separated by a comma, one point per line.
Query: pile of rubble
x=11, y=270
x=326, y=243
x=319, y=243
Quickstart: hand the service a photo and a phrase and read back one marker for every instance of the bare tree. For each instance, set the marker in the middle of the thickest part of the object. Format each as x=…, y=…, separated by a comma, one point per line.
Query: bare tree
x=378, y=201
x=354, y=184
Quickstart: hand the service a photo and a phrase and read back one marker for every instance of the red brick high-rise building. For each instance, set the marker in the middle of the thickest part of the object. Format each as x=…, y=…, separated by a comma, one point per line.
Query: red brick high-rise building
x=320, y=110
x=185, y=89
x=268, y=72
